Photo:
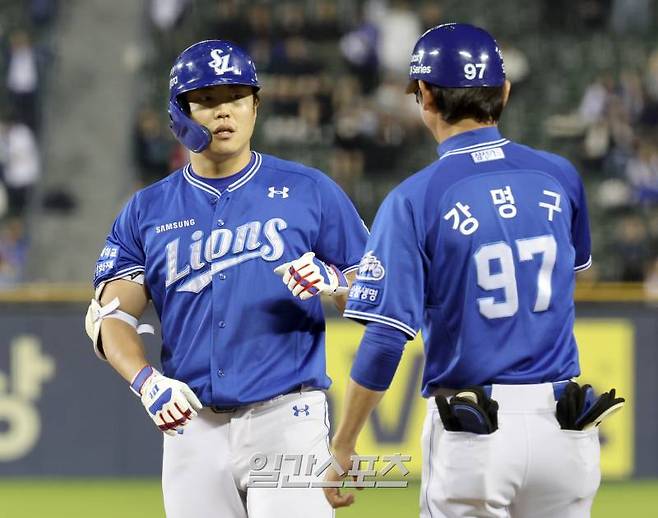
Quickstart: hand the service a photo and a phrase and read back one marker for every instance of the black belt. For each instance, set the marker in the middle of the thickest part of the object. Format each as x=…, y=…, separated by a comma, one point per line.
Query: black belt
x=224, y=409
x=218, y=409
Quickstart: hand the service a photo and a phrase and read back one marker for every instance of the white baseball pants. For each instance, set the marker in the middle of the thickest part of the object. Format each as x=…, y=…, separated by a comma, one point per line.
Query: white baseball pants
x=206, y=470
x=528, y=468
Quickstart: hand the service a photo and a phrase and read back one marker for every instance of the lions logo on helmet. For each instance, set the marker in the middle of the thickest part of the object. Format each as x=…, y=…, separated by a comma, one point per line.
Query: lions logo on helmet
x=220, y=63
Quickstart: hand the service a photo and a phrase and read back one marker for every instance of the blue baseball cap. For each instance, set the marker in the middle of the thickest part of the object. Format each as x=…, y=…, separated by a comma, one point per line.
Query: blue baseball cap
x=456, y=55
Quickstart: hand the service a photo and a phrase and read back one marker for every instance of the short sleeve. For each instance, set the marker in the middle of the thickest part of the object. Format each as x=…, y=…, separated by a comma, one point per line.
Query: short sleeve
x=389, y=286
x=580, y=230
x=123, y=254
x=343, y=234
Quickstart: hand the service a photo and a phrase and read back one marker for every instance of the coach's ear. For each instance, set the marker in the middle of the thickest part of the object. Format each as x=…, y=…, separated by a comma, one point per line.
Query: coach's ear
x=507, y=86
x=426, y=97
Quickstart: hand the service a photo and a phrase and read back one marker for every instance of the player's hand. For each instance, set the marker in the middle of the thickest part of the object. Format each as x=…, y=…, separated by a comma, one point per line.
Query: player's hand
x=170, y=403
x=308, y=276
x=333, y=495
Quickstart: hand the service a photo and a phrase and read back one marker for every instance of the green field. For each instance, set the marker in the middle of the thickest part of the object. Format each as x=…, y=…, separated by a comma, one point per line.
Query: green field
x=141, y=499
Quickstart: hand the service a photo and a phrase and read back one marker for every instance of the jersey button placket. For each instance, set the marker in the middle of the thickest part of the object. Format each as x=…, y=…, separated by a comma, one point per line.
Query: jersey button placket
x=219, y=352
x=220, y=208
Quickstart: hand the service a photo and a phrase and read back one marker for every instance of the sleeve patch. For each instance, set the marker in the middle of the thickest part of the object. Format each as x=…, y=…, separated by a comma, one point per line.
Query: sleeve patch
x=109, y=252
x=370, y=268
x=103, y=267
x=366, y=294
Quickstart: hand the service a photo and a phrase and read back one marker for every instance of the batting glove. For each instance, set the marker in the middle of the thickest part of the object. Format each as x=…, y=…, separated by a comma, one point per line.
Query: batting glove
x=170, y=403
x=469, y=411
x=579, y=409
x=308, y=276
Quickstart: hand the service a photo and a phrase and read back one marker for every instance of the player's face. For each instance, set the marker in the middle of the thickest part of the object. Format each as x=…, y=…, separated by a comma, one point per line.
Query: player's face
x=229, y=112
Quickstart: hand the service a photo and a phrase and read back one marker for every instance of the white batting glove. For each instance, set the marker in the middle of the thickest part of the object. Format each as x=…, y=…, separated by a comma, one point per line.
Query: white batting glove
x=170, y=403
x=308, y=276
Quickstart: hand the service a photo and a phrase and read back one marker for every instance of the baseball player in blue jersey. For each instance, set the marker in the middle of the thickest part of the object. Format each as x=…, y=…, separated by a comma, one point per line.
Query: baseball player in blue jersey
x=243, y=360
x=479, y=250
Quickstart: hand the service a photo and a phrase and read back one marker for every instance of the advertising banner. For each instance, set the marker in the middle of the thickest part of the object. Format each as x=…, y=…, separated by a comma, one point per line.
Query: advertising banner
x=63, y=412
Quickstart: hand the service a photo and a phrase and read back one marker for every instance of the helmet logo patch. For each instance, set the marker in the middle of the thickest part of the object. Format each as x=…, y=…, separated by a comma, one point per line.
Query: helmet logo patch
x=220, y=63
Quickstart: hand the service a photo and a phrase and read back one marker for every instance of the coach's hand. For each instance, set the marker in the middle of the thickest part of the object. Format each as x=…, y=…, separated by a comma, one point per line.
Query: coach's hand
x=333, y=495
x=170, y=403
x=308, y=276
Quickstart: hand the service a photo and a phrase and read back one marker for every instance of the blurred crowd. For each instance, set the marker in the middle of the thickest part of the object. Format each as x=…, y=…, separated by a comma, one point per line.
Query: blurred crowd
x=333, y=76
x=616, y=122
x=24, y=51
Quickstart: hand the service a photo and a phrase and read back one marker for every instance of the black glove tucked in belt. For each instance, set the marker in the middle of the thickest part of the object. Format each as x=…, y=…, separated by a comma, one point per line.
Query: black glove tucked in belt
x=579, y=409
x=470, y=410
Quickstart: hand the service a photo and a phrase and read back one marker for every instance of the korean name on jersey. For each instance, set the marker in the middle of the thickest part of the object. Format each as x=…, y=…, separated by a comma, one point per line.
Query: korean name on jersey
x=479, y=250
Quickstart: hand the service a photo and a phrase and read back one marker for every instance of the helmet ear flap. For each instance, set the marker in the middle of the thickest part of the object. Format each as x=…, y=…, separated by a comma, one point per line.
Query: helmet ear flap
x=193, y=136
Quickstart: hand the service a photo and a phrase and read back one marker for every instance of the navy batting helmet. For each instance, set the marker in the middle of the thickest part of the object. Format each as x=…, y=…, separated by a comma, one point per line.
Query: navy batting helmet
x=456, y=55
x=207, y=63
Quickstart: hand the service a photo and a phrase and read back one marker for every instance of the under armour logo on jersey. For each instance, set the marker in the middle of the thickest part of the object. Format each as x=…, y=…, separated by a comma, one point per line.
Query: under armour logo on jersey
x=274, y=192
x=220, y=63
x=296, y=410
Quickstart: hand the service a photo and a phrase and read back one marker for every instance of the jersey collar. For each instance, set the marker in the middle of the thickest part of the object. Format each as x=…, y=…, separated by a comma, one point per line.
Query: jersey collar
x=470, y=141
x=242, y=180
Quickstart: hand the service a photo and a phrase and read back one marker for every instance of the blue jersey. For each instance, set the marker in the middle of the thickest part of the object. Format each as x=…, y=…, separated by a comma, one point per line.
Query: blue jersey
x=231, y=329
x=479, y=250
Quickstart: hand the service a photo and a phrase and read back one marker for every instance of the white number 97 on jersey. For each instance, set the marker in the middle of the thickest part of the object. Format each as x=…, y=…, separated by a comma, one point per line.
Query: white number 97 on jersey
x=473, y=70
x=544, y=246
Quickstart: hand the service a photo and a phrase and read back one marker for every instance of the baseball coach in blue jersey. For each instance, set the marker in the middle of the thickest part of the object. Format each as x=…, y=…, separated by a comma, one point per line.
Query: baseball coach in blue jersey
x=243, y=359
x=479, y=250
